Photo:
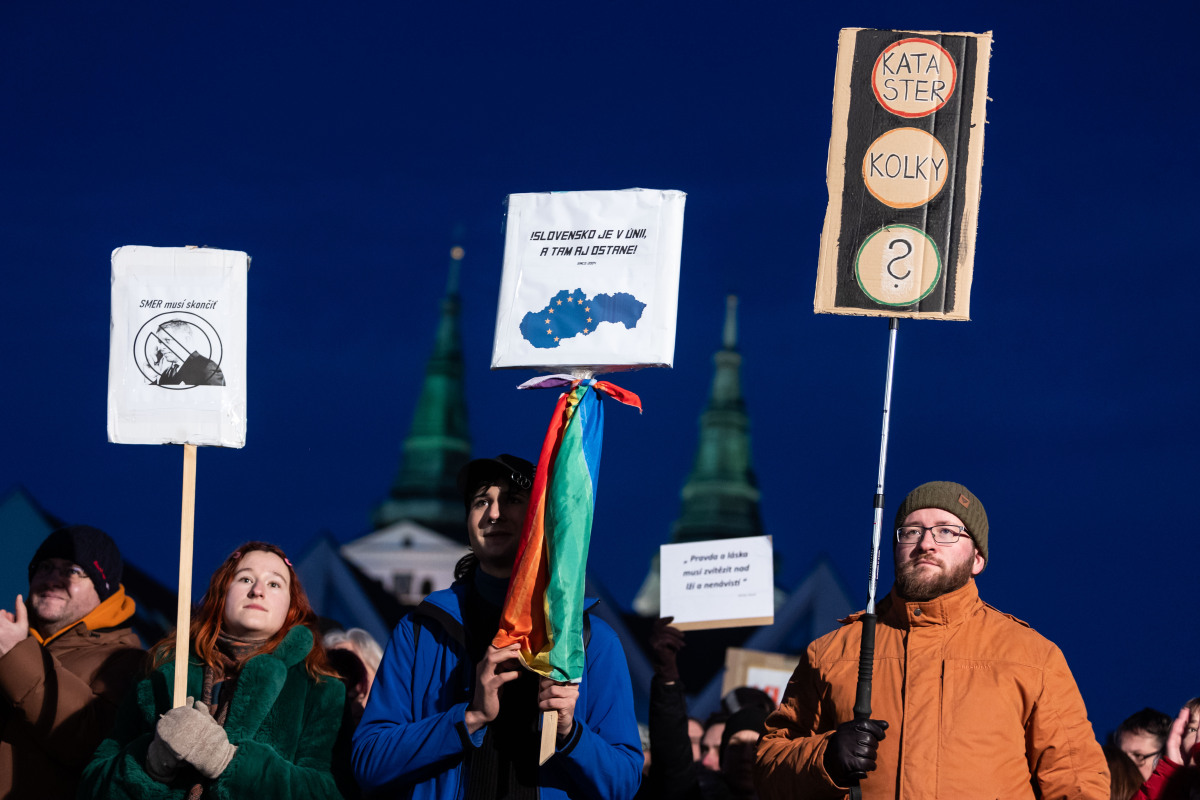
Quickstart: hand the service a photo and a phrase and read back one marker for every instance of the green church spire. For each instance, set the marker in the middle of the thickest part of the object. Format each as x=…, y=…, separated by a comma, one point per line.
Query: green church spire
x=438, y=442
x=720, y=497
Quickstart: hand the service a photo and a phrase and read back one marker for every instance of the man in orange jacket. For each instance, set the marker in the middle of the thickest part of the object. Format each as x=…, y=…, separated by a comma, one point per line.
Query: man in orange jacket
x=968, y=702
x=66, y=659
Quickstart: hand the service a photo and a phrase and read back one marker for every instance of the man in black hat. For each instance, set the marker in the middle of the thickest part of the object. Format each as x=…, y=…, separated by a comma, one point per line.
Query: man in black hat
x=450, y=715
x=66, y=659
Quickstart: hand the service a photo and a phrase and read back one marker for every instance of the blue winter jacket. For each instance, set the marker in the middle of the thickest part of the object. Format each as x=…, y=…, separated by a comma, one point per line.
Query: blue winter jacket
x=413, y=736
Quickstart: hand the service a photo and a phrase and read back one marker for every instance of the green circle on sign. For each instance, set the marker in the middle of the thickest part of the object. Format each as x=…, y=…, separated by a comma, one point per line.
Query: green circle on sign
x=898, y=265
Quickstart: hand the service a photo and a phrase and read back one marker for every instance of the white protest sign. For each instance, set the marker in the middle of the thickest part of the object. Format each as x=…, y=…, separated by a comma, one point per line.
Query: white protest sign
x=591, y=279
x=177, y=346
x=721, y=583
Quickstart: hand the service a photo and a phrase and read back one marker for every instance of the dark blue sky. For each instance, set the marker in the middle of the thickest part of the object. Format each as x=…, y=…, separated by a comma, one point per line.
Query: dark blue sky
x=340, y=146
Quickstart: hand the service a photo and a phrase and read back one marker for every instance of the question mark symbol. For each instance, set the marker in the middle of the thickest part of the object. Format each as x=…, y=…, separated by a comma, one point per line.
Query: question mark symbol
x=892, y=244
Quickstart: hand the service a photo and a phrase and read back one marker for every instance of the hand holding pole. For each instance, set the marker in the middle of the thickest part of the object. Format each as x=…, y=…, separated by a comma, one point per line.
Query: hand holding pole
x=866, y=655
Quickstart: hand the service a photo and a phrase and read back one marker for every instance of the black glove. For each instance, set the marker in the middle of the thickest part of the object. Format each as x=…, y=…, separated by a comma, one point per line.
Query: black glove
x=665, y=642
x=850, y=751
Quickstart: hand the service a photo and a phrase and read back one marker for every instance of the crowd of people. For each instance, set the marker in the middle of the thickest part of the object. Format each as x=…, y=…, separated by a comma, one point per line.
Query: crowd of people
x=966, y=701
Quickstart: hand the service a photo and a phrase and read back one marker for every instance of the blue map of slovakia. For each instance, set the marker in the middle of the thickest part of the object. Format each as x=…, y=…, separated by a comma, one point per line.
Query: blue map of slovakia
x=570, y=314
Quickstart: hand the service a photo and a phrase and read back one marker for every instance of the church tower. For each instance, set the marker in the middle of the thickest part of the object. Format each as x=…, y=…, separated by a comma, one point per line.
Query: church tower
x=720, y=497
x=438, y=442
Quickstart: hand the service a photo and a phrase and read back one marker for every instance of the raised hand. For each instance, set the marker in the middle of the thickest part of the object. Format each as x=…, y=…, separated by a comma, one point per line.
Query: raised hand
x=1174, y=746
x=499, y=666
x=14, y=626
x=665, y=642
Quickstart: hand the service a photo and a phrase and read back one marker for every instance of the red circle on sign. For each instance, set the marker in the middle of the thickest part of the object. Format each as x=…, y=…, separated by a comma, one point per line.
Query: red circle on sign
x=914, y=108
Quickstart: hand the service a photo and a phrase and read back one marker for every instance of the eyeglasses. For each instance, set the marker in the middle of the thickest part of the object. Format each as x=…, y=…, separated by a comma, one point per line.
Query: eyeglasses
x=942, y=534
x=72, y=573
x=1142, y=758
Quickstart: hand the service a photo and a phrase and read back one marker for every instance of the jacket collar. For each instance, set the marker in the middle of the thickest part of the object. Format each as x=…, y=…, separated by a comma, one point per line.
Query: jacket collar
x=117, y=608
x=295, y=645
x=949, y=609
x=259, y=684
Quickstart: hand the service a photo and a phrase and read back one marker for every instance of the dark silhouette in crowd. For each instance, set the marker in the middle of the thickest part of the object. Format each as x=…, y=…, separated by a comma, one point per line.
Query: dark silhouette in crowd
x=961, y=691
x=747, y=697
x=676, y=771
x=451, y=715
x=673, y=769
x=739, y=742
x=264, y=707
x=66, y=660
x=1142, y=737
x=714, y=725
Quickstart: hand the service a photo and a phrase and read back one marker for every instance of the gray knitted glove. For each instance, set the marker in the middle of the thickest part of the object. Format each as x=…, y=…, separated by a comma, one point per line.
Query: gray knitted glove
x=195, y=737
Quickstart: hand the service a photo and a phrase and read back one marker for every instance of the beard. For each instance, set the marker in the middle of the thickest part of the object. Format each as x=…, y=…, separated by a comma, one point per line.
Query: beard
x=912, y=585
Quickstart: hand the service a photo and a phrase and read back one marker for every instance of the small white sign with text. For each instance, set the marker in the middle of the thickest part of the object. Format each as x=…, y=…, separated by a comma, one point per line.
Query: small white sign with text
x=721, y=583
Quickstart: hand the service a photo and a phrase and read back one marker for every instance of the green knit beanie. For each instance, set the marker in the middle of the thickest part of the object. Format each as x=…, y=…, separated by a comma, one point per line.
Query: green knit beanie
x=954, y=498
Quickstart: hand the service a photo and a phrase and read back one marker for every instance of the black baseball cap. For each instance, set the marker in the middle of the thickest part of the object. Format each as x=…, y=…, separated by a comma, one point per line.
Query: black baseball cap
x=487, y=471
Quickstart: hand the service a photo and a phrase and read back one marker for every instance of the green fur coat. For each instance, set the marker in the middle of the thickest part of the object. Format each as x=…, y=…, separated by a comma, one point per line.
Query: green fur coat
x=283, y=723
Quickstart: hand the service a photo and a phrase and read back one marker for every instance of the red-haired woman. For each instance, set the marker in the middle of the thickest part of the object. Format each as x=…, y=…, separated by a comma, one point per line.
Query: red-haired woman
x=267, y=708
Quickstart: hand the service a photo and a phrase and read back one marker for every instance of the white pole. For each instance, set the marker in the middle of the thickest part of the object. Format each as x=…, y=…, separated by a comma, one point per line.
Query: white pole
x=877, y=530
x=866, y=654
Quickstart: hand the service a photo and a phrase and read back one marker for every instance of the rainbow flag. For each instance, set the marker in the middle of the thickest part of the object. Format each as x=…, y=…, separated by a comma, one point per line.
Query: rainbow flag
x=543, y=610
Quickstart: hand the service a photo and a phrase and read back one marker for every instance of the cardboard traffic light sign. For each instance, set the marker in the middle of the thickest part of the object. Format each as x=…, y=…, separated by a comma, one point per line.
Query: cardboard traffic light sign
x=905, y=161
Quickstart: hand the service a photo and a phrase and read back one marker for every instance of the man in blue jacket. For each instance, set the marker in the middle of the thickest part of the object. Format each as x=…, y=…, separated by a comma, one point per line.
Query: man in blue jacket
x=451, y=716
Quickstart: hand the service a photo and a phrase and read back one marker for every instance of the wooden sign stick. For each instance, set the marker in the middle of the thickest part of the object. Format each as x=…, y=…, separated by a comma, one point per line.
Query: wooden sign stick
x=549, y=736
x=183, y=609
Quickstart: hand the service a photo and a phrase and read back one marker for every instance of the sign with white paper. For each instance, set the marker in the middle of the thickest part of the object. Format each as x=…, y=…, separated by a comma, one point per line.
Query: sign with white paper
x=591, y=279
x=177, y=346
x=721, y=583
x=769, y=672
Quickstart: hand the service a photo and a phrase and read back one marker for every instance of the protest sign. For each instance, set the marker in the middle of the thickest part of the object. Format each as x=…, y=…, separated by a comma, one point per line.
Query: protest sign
x=720, y=583
x=590, y=284
x=904, y=171
x=769, y=672
x=177, y=346
x=177, y=371
x=591, y=280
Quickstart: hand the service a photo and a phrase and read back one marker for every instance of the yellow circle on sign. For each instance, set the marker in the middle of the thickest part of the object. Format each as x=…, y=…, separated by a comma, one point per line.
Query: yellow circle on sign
x=905, y=168
x=898, y=265
x=914, y=77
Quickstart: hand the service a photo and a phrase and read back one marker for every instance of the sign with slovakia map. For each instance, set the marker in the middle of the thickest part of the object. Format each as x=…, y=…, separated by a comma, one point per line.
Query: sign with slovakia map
x=177, y=346
x=591, y=280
